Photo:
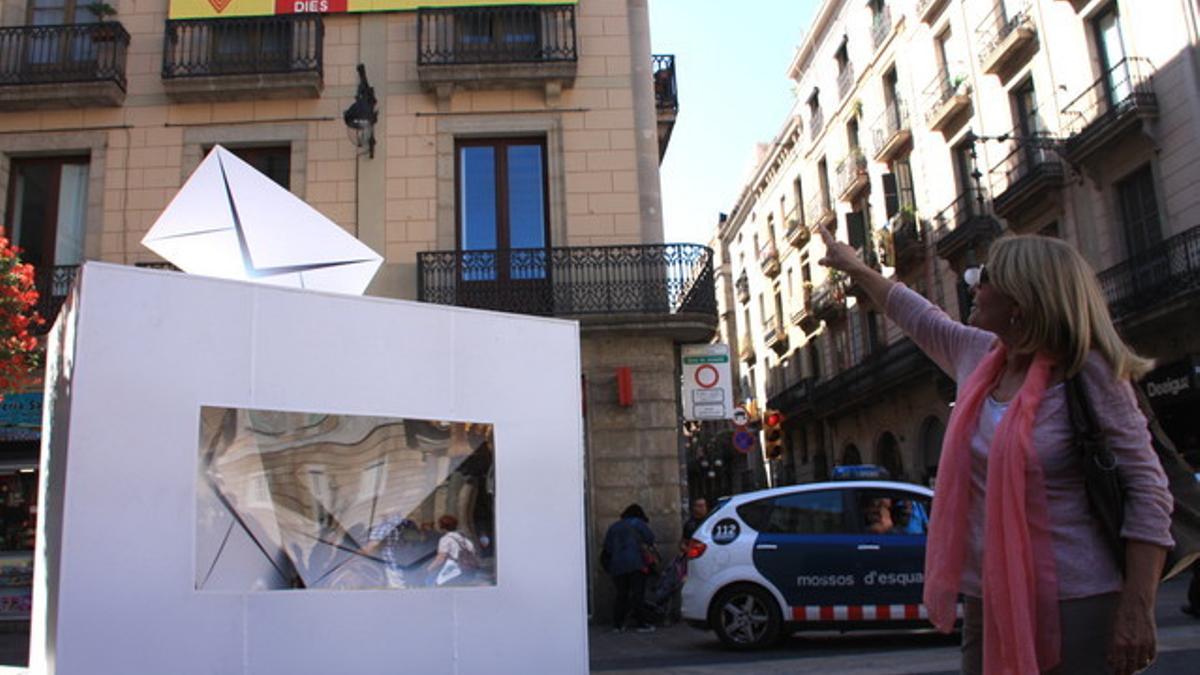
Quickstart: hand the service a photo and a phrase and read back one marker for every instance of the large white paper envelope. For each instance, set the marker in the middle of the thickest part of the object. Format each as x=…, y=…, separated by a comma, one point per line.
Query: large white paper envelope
x=230, y=221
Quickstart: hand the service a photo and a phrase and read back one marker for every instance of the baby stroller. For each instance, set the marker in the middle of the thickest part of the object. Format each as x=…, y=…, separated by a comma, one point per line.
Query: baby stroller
x=666, y=587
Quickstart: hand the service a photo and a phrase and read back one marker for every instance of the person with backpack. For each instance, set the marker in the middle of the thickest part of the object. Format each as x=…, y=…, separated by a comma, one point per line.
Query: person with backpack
x=456, y=560
x=627, y=558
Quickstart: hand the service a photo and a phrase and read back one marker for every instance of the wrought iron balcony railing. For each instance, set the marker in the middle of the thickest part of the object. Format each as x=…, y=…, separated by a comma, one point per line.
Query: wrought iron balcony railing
x=768, y=258
x=967, y=205
x=819, y=210
x=908, y=241
x=941, y=96
x=852, y=174
x=288, y=43
x=742, y=288
x=666, y=96
x=845, y=80
x=890, y=125
x=828, y=300
x=501, y=34
x=1148, y=280
x=816, y=124
x=1032, y=164
x=881, y=26
x=797, y=233
x=999, y=24
x=52, y=284
x=664, y=279
x=1125, y=91
x=93, y=52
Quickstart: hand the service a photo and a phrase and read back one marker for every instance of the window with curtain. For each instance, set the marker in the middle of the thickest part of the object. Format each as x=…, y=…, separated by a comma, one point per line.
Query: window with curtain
x=47, y=209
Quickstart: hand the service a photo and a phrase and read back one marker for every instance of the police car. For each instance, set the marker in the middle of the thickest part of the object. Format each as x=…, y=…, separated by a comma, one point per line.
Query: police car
x=837, y=555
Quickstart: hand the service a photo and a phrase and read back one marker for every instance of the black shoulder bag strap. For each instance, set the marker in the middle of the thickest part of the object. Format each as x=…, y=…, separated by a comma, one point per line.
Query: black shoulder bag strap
x=1104, y=492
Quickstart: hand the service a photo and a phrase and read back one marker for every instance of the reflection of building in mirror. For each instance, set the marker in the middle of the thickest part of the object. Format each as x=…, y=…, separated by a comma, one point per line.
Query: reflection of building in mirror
x=300, y=500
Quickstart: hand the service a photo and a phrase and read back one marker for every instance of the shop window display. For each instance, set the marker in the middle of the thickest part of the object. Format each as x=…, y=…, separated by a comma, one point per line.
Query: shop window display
x=18, y=513
x=290, y=500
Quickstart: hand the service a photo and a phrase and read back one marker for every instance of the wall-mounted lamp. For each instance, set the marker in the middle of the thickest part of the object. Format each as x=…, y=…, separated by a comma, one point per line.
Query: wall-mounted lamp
x=362, y=115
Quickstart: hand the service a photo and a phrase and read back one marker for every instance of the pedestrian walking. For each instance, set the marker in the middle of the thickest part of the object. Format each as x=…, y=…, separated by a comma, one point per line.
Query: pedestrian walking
x=1049, y=591
x=628, y=546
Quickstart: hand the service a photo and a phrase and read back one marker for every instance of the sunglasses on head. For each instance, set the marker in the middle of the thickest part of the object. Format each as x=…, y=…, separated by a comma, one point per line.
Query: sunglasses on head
x=974, y=276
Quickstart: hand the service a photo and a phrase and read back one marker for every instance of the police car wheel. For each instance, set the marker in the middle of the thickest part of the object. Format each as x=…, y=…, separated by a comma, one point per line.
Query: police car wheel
x=745, y=617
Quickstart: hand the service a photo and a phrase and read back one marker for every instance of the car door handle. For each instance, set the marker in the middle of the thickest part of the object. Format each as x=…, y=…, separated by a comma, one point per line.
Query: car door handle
x=868, y=547
x=766, y=547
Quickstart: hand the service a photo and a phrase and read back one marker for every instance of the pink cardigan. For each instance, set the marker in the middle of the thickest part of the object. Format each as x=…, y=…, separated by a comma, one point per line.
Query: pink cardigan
x=1084, y=565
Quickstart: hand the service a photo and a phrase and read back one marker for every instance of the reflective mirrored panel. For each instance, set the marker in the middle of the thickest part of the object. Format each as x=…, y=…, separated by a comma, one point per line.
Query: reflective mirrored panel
x=313, y=500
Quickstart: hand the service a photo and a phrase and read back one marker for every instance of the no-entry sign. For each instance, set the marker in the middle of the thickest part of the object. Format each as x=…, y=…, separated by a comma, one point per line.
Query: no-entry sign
x=706, y=388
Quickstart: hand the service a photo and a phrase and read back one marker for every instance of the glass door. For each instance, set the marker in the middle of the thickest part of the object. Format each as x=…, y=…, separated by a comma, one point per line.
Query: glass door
x=503, y=229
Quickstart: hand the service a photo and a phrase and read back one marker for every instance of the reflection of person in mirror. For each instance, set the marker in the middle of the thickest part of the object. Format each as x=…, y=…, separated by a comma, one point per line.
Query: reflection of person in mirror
x=455, y=553
x=384, y=540
x=464, y=487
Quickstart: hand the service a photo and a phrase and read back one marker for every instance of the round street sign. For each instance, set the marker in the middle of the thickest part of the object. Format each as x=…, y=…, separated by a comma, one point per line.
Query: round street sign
x=743, y=441
x=707, y=376
x=740, y=416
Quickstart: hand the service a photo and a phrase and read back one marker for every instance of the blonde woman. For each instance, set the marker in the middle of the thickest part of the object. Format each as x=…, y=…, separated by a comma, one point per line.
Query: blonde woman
x=1011, y=530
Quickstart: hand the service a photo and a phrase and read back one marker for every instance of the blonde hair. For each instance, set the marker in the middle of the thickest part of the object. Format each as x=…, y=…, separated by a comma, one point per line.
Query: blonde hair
x=1064, y=312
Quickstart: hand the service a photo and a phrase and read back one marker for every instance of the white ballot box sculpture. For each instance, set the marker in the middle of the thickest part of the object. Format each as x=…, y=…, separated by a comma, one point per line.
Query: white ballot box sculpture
x=231, y=221
x=240, y=478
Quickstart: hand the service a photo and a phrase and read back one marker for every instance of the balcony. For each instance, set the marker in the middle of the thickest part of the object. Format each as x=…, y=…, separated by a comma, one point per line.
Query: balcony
x=1148, y=282
x=775, y=335
x=1031, y=173
x=816, y=125
x=852, y=177
x=1113, y=106
x=908, y=241
x=497, y=47
x=892, y=132
x=798, y=233
x=819, y=211
x=803, y=317
x=1005, y=40
x=52, y=284
x=666, y=98
x=244, y=59
x=964, y=224
x=881, y=26
x=742, y=288
x=746, y=348
x=829, y=299
x=845, y=80
x=885, y=369
x=768, y=258
x=651, y=279
x=946, y=99
x=37, y=61
x=930, y=10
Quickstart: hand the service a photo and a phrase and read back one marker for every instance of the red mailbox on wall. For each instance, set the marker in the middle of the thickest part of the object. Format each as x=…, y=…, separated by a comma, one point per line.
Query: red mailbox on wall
x=624, y=386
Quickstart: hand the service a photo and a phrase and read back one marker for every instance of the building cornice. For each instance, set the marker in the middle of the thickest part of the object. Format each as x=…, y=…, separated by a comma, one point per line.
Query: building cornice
x=812, y=40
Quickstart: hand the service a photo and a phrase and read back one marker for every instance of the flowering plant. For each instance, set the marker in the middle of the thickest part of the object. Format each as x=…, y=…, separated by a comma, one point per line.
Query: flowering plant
x=19, y=354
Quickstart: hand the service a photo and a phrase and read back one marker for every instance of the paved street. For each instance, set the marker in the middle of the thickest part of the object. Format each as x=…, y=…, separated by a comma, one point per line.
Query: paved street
x=681, y=650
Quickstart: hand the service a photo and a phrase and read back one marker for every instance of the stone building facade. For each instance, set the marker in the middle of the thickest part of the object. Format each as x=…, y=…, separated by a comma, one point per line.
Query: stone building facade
x=921, y=131
x=501, y=157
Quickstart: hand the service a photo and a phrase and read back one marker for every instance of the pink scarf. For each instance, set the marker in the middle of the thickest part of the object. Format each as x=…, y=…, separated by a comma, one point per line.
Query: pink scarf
x=1020, y=588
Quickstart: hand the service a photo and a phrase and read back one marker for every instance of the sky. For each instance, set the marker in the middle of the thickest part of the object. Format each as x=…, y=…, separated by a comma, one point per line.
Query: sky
x=731, y=61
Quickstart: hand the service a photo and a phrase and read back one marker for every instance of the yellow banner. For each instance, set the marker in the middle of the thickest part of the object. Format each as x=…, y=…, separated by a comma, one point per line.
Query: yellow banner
x=217, y=9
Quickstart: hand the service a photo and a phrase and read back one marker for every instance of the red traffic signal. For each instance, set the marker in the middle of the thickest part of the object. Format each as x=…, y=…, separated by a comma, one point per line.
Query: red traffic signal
x=773, y=434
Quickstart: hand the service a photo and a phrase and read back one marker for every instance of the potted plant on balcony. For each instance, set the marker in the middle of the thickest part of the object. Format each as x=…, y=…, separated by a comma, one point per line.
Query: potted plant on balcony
x=102, y=32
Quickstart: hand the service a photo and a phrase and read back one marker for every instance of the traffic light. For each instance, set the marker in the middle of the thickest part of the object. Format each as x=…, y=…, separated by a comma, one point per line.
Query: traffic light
x=772, y=422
